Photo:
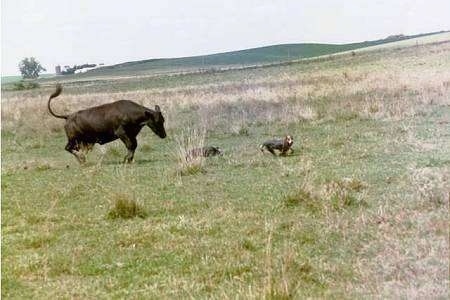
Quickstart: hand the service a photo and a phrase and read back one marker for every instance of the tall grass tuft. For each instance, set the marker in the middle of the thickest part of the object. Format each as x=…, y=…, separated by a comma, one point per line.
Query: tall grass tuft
x=285, y=273
x=341, y=193
x=125, y=207
x=188, y=163
x=304, y=195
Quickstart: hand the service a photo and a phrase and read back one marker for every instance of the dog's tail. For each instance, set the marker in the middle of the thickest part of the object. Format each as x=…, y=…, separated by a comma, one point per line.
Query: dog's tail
x=54, y=95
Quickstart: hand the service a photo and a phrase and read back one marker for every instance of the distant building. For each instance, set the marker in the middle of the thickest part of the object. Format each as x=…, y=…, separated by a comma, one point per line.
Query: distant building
x=84, y=70
x=67, y=70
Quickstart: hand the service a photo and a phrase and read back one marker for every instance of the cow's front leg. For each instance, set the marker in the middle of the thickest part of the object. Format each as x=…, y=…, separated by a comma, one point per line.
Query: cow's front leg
x=130, y=142
x=131, y=146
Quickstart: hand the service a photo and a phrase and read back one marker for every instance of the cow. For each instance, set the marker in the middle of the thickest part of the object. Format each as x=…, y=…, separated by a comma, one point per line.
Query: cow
x=102, y=124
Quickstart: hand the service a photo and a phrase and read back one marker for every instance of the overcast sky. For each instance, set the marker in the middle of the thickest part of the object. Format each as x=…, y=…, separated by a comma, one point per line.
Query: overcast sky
x=93, y=31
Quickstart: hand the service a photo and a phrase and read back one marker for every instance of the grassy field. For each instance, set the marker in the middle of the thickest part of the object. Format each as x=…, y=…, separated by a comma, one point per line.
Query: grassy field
x=8, y=82
x=10, y=79
x=360, y=209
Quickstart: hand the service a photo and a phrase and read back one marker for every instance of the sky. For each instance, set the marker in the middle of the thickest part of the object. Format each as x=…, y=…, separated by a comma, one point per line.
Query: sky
x=64, y=32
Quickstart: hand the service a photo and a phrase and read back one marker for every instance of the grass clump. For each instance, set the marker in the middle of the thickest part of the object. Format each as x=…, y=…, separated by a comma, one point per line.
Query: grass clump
x=114, y=151
x=248, y=245
x=126, y=208
x=287, y=273
x=295, y=199
x=341, y=193
x=337, y=195
x=24, y=85
x=346, y=116
x=188, y=162
x=192, y=169
x=303, y=198
x=146, y=148
x=340, y=201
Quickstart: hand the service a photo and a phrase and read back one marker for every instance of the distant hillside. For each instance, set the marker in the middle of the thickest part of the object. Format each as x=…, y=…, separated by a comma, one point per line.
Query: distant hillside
x=242, y=58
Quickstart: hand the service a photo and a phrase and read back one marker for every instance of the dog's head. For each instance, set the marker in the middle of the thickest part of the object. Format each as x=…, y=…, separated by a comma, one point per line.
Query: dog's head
x=289, y=140
x=212, y=151
x=217, y=151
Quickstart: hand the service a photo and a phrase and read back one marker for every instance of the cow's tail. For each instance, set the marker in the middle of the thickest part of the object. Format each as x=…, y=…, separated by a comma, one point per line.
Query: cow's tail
x=54, y=95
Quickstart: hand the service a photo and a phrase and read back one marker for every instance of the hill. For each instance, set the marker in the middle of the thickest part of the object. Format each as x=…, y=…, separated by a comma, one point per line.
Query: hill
x=262, y=56
x=241, y=58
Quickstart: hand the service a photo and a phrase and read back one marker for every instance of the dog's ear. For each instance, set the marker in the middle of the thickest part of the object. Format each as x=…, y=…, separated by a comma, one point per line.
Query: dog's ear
x=157, y=108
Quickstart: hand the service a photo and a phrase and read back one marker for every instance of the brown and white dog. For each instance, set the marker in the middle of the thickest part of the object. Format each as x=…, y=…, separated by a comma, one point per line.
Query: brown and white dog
x=282, y=145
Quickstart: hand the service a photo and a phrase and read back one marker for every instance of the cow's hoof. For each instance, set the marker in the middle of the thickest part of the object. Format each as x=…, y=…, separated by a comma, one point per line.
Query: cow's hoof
x=128, y=161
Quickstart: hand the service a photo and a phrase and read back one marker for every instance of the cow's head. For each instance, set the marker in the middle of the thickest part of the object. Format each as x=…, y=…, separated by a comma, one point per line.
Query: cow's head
x=156, y=122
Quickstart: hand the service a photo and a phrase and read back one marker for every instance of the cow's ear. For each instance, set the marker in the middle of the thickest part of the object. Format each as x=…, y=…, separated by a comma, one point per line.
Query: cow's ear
x=157, y=108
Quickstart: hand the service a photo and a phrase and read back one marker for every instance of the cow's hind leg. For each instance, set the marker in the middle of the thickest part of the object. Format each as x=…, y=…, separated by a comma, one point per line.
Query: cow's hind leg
x=72, y=147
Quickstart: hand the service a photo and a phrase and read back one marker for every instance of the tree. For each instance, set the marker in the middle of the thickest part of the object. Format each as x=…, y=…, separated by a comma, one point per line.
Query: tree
x=30, y=68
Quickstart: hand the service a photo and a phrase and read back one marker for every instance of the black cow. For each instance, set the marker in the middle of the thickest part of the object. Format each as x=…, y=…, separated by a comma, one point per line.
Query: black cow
x=102, y=124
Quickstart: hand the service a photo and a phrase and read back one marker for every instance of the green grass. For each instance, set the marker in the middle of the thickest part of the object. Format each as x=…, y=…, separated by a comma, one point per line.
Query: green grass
x=196, y=224
x=57, y=225
x=10, y=79
x=16, y=78
x=359, y=203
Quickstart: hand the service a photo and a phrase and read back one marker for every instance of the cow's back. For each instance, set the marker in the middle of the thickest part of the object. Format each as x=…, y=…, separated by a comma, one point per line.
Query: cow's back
x=100, y=122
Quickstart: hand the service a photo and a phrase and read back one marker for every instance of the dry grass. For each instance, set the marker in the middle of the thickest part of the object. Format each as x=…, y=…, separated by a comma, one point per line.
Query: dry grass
x=389, y=92
x=432, y=186
x=188, y=163
x=411, y=247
